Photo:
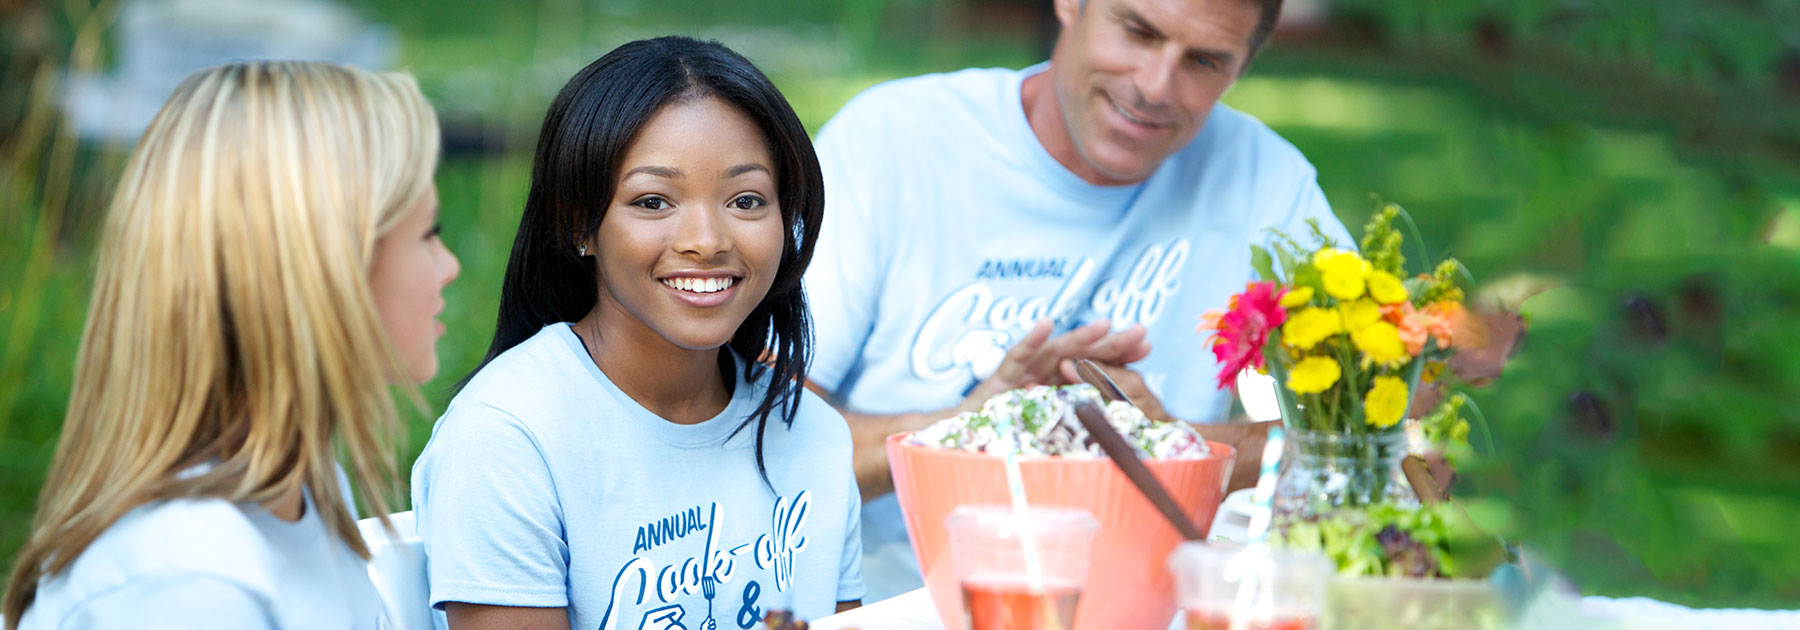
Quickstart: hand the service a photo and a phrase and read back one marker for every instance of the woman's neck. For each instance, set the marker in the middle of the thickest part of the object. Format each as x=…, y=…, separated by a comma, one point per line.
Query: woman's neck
x=680, y=385
x=290, y=506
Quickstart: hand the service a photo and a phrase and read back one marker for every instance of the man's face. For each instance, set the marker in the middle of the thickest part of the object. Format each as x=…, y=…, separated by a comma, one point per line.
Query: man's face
x=1135, y=79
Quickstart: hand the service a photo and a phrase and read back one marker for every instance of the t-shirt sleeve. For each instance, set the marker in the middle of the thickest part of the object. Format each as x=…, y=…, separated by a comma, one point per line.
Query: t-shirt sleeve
x=843, y=283
x=172, y=602
x=487, y=511
x=850, y=583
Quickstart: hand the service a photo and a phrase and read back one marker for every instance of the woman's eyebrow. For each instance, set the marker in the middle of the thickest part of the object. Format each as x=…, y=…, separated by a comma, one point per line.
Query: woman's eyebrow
x=666, y=172
x=745, y=168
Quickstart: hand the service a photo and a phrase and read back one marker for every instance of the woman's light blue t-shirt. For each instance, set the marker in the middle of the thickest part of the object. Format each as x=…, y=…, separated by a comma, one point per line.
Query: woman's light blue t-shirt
x=544, y=485
x=211, y=563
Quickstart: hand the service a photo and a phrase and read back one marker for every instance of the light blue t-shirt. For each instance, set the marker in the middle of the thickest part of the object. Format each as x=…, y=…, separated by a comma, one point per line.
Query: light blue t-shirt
x=545, y=485
x=949, y=230
x=211, y=563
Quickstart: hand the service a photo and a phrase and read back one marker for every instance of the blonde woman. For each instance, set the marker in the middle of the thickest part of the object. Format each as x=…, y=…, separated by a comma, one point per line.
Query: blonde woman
x=270, y=267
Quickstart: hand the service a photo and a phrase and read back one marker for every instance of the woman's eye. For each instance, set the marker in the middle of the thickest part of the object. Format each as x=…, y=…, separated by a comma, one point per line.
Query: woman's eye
x=748, y=202
x=651, y=203
x=437, y=229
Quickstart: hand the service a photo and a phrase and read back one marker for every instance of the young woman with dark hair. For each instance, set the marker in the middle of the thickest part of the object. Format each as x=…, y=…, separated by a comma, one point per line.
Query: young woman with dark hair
x=636, y=449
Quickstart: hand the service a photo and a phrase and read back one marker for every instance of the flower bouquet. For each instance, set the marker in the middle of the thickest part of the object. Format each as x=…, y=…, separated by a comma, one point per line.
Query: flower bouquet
x=1350, y=341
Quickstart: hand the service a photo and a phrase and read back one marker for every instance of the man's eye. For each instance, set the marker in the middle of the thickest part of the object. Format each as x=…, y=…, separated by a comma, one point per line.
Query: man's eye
x=748, y=202
x=651, y=203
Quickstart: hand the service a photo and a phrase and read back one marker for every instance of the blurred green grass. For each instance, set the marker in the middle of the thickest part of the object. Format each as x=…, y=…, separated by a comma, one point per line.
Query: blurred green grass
x=1687, y=502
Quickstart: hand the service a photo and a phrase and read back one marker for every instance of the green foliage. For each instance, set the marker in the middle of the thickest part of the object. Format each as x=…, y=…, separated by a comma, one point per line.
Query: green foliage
x=1388, y=540
x=1381, y=242
x=1737, y=42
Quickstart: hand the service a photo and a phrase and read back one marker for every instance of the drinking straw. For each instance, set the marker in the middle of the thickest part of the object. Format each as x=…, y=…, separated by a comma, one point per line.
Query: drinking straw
x=1255, y=554
x=1015, y=486
x=1265, y=485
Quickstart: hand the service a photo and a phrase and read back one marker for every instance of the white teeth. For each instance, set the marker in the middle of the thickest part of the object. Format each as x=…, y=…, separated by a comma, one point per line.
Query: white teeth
x=700, y=285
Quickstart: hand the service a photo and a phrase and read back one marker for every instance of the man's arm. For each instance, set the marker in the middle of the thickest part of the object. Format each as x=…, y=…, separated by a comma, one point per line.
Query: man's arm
x=868, y=438
x=1035, y=360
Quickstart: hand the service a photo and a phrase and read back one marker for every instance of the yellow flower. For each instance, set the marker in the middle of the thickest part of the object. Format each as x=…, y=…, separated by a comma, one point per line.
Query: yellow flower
x=1313, y=375
x=1386, y=288
x=1297, y=297
x=1358, y=315
x=1342, y=272
x=1380, y=342
x=1309, y=327
x=1386, y=401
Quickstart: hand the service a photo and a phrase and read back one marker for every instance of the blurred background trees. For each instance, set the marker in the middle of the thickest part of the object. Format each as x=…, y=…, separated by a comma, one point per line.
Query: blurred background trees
x=1627, y=172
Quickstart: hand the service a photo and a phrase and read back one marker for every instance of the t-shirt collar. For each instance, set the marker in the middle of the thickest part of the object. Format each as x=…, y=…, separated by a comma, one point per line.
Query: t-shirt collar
x=710, y=432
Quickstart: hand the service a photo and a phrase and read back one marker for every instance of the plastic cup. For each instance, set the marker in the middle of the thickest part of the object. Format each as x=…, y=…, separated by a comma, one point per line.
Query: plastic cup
x=1005, y=585
x=1267, y=589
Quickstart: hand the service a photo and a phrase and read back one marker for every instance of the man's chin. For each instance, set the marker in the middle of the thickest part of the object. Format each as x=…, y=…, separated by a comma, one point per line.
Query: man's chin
x=1121, y=172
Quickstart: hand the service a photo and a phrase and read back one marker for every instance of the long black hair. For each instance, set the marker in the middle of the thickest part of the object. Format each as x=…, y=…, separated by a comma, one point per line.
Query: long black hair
x=586, y=134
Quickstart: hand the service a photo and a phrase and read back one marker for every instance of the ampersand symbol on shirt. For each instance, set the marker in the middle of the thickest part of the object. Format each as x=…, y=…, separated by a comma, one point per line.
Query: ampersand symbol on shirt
x=750, y=613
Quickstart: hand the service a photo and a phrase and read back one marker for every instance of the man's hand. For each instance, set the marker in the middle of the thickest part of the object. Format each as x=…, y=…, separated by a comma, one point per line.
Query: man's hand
x=1035, y=360
x=1130, y=383
x=1039, y=359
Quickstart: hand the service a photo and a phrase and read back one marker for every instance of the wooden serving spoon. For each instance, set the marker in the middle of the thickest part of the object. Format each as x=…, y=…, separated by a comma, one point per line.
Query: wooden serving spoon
x=1126, y=458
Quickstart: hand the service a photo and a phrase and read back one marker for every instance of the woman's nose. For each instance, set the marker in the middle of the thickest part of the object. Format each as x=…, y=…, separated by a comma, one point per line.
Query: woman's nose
x=703, y=233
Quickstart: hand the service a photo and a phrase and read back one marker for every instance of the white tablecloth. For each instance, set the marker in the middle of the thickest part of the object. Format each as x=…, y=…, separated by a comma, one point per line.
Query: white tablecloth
x=914, y=611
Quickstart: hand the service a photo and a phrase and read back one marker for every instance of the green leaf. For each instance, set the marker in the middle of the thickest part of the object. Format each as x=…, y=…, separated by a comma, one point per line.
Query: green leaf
x=1263, y=264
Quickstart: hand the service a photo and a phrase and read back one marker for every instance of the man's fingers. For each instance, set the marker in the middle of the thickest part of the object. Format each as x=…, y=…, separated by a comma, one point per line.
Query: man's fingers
x=1022, y=355
x=1069, y=373
x=1040, y=332
x=1120, y=348
x=1043, y=365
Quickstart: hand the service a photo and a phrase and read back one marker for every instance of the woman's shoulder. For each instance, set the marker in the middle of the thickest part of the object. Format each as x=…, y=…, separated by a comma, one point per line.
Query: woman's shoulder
x=527, y=374
x=205, y=538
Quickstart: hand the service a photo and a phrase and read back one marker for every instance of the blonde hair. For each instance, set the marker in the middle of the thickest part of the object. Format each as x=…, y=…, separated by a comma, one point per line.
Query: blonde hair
x=232, y=320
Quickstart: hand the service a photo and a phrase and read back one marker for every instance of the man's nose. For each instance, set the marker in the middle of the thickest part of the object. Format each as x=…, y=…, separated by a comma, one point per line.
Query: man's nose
x=1156, y=77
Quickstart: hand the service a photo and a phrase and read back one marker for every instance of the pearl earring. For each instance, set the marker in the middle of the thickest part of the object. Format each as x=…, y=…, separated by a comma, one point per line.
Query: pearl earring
x=581, y=251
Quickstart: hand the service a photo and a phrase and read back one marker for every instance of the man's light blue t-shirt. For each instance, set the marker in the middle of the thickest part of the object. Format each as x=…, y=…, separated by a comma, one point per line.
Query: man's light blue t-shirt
x=545, y=485
x=949, y=230
x=211, y=563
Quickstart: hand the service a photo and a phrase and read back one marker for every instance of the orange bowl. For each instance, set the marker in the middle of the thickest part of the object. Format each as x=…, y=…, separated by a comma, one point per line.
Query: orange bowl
x=1127, y=584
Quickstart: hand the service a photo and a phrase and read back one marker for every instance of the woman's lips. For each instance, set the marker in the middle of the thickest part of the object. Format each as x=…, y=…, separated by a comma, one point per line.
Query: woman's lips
x=701, y=291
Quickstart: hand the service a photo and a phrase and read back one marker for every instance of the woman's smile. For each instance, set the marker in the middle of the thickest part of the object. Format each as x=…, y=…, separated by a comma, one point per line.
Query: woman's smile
x=702, y=289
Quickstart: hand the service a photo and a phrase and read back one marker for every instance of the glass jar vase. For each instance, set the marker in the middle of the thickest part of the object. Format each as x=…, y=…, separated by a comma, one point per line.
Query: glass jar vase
x=1322, y=471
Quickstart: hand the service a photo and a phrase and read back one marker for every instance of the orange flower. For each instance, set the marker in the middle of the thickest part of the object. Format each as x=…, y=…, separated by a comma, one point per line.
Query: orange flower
x=1448, y=323
x=1414, y=325
x=1459, y=328
x=1210, y=319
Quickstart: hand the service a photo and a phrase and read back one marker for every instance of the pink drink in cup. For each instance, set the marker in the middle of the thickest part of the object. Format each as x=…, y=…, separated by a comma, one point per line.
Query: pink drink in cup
x=1004, y=589
x=1272, y=589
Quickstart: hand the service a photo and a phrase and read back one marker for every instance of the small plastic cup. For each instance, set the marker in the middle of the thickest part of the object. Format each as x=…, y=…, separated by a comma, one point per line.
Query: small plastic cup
x=1005, y=588
x=1221, y=586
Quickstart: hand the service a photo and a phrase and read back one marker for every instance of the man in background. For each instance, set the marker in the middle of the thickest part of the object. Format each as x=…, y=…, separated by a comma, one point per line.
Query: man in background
x=987, y=227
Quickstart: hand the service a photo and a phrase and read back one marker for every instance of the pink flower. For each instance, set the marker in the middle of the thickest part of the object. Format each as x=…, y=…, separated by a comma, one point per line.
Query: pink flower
x=1240, y=333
